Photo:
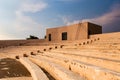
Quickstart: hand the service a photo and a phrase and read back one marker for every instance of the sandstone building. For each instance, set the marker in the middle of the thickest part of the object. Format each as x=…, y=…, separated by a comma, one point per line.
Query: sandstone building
x=73, y=32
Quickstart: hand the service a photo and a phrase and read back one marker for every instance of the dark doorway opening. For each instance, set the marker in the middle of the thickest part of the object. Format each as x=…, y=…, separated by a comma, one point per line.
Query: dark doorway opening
x=49, y=37
x=89, y=33
x=64, y=36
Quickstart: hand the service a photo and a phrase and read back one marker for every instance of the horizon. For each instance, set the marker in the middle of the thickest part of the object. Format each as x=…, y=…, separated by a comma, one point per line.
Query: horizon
x=21, y=18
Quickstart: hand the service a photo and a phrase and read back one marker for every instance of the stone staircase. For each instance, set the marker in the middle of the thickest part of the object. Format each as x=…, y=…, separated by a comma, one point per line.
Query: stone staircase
x=97, y=58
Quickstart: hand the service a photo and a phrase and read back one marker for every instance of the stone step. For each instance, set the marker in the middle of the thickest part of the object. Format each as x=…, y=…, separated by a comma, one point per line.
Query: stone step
x=59, y=60
x=57, y=71
x=20, y=50
x=103, y=62
x=113, y=50
x=109, y=40
x=18, y=78
x=89, y=71
x=112, y=56
x=106, y=43
x=99, y=46
x=36, y=72
x=93, y=47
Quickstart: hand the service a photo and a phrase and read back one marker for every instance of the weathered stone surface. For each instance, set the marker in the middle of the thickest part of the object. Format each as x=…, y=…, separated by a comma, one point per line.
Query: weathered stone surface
x=91, y=59
x=59, y=72
x=36, y=72
x=74, y=32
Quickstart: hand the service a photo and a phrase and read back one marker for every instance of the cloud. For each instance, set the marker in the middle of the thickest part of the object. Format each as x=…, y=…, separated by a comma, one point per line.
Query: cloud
x=67, y=0
x=18, y=24
x=110, y=20
x=25, y=24
x=7, y=37
x=31, y=7
x=65, y=19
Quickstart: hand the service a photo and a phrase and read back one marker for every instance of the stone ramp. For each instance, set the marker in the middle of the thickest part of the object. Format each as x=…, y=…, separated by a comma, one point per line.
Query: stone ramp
x=36, y=72
x=58, y=72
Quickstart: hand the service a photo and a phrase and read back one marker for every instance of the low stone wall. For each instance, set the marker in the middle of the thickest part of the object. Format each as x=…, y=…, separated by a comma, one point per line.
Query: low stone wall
x=6, y=43
x=107, y=35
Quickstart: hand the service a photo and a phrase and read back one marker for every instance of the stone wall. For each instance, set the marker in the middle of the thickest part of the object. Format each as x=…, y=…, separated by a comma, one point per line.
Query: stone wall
x=6, y=43
x=74, y=32
x=107, y=35
x=56, y=32
x=94, y=29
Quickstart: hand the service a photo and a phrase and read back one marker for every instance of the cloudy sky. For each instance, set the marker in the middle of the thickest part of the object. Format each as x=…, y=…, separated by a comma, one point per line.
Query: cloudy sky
x=21, y=18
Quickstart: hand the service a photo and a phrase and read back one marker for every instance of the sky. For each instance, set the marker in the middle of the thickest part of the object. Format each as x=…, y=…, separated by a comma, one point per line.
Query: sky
x=21, y=18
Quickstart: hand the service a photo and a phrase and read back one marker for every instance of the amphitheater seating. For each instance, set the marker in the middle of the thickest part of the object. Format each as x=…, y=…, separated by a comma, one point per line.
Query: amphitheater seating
x=17, y=78
x=97, y=58
x=57, y=71
x=36, y=72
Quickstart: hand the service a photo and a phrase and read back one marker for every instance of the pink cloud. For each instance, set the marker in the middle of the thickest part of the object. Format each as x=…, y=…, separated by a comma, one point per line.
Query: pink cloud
x=105, y=19
x=108, y=18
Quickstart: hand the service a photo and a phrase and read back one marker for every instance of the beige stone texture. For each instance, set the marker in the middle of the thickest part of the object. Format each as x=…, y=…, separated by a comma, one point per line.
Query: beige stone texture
x=36, y=72
x=18, y=78
x=96, y=58
x=74, y=32
x=57, y=71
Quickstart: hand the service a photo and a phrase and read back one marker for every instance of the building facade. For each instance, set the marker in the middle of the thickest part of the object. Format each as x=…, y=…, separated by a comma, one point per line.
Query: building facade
x=73, y=32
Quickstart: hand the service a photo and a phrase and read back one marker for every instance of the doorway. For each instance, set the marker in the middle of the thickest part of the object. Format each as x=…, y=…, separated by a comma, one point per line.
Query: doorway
x=49, y=37
x=64, y=36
